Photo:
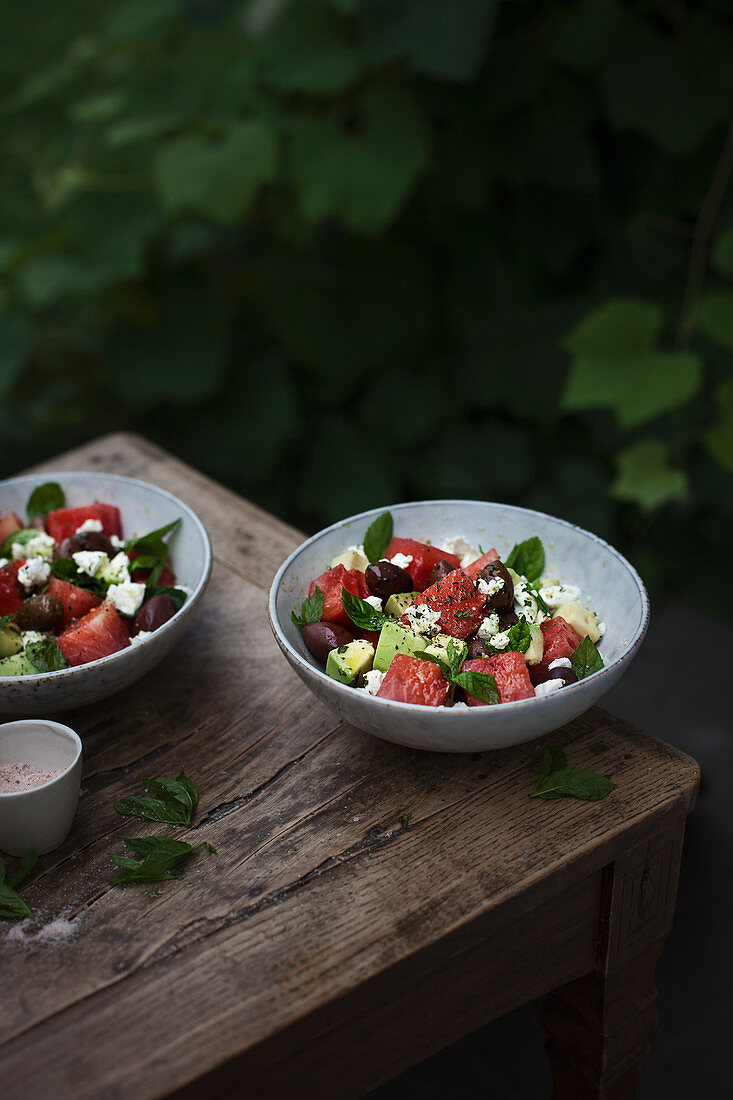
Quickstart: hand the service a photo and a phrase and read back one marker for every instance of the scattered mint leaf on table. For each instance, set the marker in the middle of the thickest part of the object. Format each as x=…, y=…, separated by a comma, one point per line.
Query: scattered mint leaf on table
x=405, y=820
x=173, y=801
x=361, y=613
x=586, y=659
x=12, y=906
x=310, y=610
x=160, y=854
x=560, y=780
x=527, y=558
x=378, y=537
x=44, y=499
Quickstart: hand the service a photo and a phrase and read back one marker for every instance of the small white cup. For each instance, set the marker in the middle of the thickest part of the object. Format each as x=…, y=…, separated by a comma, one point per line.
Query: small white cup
x=39, y=820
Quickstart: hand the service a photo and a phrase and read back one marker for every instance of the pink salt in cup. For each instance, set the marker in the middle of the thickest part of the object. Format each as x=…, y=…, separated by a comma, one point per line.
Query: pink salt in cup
x=37, y=818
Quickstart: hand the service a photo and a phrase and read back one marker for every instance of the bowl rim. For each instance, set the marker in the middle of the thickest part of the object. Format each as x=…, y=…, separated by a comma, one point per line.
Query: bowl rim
x=412, y=708
x=61, y=727
x=190, y=603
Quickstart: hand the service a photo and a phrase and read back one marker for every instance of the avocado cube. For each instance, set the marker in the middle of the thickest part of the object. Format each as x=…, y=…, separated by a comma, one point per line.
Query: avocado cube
x=17, y=665
x=11, y=641
x=349, y=661
x=397, y=605
x=439, y=645
x=536, y=648
x=351, y=559
x=582, y=620
x=395, y=638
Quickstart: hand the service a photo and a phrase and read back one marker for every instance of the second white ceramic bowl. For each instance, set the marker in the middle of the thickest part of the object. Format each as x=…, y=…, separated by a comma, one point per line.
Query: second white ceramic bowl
x=144, y=508
x=609, y=585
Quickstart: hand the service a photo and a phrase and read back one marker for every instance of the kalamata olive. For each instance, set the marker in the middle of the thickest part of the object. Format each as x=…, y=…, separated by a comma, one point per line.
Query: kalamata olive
x=503, y=600
x=538, y=674
x=507, y=619
x=153, y=613
x=95, y=540
x=385, y=580
x=321, y=638
x=66, y=548
x=40, y=613
x=440, y=569
x=38, y=522
x=476, y=648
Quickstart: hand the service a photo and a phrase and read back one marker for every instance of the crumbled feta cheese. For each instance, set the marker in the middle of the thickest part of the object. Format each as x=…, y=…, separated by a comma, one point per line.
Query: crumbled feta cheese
x=36, y=571
x=91, y=562
x=117, y=542
x=560, y=662
x=423, y=619
x=116, y=571
x=489, y=627
x=555, y=595
x=357, y=550
x=32, y=636
x=460, y=705
x=88, y=526
x=499, y=641
x=372, y=681
x=374, y=601
x=548, y=687
x=126, y=597
x=40, y=546
x=401, y=560
x=140, y=636
x=3, y=562
x=602, y=629
x=525, y=604
x=490, y=588
x=463, y=550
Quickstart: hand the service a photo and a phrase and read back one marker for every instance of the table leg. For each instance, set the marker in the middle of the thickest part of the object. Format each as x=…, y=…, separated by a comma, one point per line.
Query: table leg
x=599, y=1026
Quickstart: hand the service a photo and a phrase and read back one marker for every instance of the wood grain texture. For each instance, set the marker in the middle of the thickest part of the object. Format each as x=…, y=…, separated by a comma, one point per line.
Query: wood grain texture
x=324, y=944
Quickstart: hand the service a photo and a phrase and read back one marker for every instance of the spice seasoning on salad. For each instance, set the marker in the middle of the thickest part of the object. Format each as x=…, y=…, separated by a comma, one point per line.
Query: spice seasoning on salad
x=18, y=776
x=458, y=626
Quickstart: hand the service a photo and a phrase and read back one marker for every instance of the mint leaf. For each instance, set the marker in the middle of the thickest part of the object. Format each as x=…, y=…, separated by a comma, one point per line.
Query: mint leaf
x=310, y=611
x=152, y=552
x=378, y=537
x=457, y=653
x=160, y=854
x=12, y=906
x=519, y=636
x=44, y=499
x=26, y=865
x=586, y=659
x=560, y=780
x=527, y=558
x=6, y=620
x=361, y=613
x=482, y=685
x=173, y=801
x=46, y=656
x=66, y=570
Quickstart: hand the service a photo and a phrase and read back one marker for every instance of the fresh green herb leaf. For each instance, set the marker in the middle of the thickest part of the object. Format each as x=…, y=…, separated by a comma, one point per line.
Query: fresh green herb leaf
x=12, y=906
x=46, y=656
x=405, y=820
x=153, y=543
x=17, y=538
x=160, y=855
x=310, y=610
x=520, y=636
x=431, y=657
x=6, y=620
x=457, y=653
x=44, y=499
x=173, y=801
x=586, y=659
x=560, y=780
x=527, y=558
x=378, y=536
x=480, y=684
x=66, y=570
x=178, y=596
x=361, y=613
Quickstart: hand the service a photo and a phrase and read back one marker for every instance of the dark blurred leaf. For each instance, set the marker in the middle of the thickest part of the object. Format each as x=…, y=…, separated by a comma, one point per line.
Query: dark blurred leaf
x=584, y=32
x=723, y=252
x=15, y=342
x=443, y=40
x=646, y=477
x=719, y=439
x=308, y=49
x=344, y=473
x=361, y=173
x=714, y=315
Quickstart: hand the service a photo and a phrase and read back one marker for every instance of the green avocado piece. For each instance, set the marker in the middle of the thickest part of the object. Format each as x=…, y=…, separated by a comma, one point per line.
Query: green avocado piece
x=17, y=665
x=395, y=638
x=438, y=645
x=349, y=661
x=533, y=656
x=10, y=640
x=397, y=605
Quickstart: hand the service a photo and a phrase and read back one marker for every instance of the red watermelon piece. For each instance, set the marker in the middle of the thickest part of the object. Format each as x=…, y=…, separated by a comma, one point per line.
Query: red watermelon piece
x=332, y=583
x=76, y=601
x=62, y=523
x=561, y=640
x=424, y=557
x=99, y=634
x=11, y=593
x=410, y=680
x=458, y=602
x=475, y=567
x=511, y=675
x=9, y=524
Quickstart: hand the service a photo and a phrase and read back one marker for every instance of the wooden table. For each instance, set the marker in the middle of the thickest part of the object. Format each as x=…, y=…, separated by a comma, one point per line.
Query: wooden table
x=331, y=943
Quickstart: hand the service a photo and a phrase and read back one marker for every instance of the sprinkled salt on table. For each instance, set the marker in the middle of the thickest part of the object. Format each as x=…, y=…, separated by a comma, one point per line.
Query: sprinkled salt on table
x=18, y=776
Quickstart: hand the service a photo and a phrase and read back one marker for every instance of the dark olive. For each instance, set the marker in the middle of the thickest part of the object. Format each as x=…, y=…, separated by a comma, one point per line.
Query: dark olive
x=538, y=674
x=507, y=619
x=440, y=569
x=66, y=548
x=40, y=613
x=385, y=580
x=153, y=613
x=503, y=600
x=95, y=540
x=38, y=522
x=321, y=638
x=476, y=648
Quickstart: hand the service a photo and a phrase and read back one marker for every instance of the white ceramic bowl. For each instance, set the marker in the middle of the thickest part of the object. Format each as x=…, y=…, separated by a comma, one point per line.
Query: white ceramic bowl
x=39, y=820
x=143, y=508
x=609, y=585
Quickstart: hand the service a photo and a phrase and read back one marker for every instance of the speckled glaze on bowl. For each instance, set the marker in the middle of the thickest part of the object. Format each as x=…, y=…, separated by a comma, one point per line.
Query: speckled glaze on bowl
x=144, y=508
x=609, y=585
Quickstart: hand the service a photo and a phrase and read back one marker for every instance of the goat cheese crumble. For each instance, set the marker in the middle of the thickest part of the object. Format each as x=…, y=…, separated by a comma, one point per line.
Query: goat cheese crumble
x=40, y=546
x=374, y=601
x=89, y=526
x=423, y=619
x=90, y=562
x=372, y=681
x=126, y=597
x=401, y=560
x=36, y=571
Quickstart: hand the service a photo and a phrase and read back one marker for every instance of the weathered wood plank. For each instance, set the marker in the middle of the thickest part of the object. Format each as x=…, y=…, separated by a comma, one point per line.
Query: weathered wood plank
x=319, y=902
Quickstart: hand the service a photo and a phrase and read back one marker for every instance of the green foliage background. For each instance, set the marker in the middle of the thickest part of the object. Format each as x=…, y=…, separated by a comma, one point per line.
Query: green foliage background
x=339, y=253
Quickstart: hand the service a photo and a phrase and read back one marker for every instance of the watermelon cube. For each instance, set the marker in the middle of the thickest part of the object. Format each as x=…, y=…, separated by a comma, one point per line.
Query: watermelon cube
x=410, y=680
x=511, y=675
